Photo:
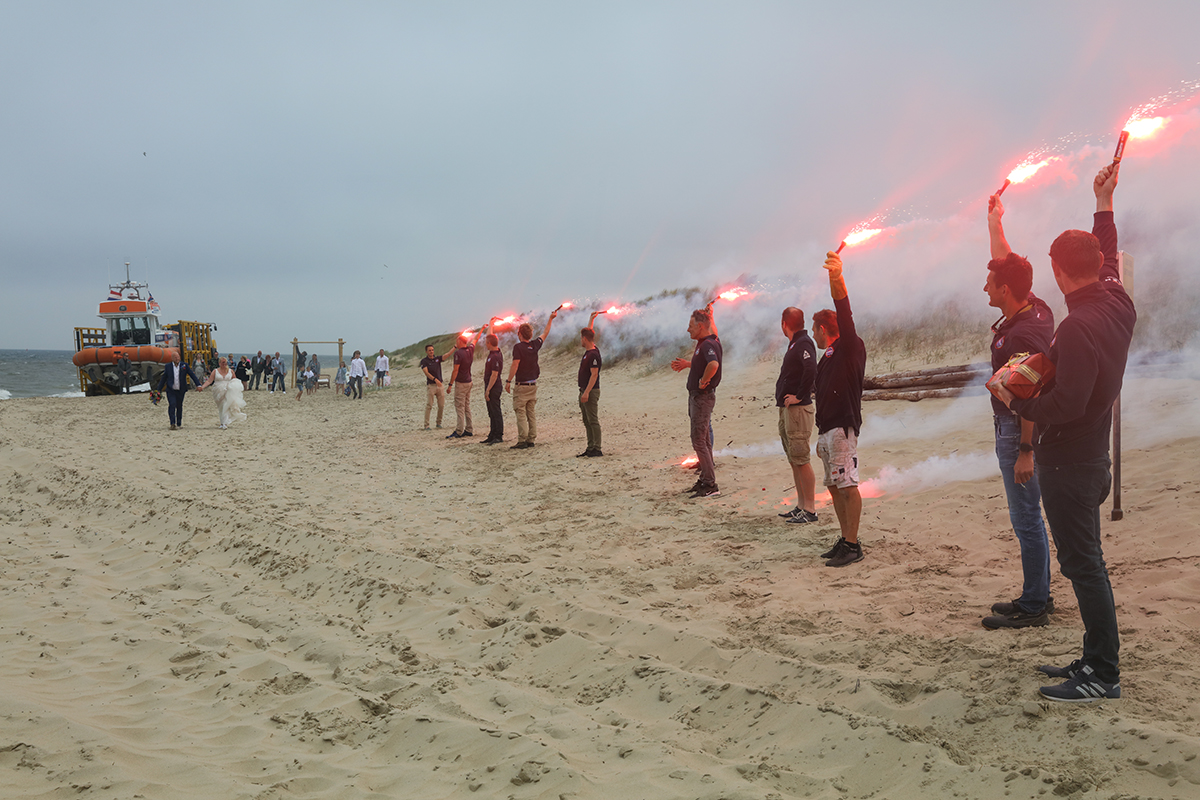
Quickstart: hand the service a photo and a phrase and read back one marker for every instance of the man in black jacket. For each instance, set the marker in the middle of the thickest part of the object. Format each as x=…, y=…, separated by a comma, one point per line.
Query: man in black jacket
x=839, y=387
x=1074, y=418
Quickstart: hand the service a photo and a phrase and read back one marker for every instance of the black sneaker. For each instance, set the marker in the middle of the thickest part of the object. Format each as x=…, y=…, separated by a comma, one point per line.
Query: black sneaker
x=794, y=512
x=706, y=490
x=521, y=446
x=833, y=551
x=584, y=454
x=454, y=436
x=491, y=441
x=593, y=453
x=1009, y=608
x=465, y=434
x=1083, y=688
x=1017, y=619
x=850, y=553
x=695, y=487
x=803, y=518
x=1069, y=671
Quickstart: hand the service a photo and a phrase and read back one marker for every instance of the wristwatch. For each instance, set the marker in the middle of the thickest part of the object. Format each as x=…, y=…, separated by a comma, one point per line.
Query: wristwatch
x=1025, y=447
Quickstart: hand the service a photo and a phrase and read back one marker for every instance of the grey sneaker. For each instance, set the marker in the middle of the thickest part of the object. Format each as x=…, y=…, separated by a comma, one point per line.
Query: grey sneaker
x=1083, y=688
x=803, y=518
x=792, y=513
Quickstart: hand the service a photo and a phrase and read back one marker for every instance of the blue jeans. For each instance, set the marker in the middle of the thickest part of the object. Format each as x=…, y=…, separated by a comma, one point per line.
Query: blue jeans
x=1072, y=495
x=1025, y=513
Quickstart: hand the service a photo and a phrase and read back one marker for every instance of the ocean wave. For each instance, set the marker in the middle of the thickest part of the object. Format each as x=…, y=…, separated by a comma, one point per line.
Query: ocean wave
x=67, y=394
x=5, y=394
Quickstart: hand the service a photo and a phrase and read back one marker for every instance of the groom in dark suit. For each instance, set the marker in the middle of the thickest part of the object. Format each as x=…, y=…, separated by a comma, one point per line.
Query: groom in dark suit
x=174, y=381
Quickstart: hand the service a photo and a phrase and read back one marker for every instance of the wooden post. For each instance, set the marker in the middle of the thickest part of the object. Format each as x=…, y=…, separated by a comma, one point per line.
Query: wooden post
x=1125, y=271
x=341, y=344
x=295, y=356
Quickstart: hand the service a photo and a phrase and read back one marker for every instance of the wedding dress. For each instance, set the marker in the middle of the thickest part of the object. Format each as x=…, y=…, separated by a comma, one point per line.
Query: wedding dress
x=227, y=394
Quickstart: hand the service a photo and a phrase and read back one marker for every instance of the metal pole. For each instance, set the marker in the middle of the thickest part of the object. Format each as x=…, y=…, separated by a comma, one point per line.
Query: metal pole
x=1125, y=272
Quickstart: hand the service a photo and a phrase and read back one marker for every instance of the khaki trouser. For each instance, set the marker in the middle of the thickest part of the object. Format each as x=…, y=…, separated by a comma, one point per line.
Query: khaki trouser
x=462, y=407
x=524, y=403
x=434, y=391
x=591, y=417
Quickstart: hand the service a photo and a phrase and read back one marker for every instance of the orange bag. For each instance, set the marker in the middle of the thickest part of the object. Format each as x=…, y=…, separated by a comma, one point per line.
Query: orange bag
x=1024, y=375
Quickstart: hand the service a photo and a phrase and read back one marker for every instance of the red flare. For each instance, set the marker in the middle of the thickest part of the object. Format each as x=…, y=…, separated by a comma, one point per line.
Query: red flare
x=858, y=235
x=1007, y=183
x=1120, y=147
x=1141, y=129
x=689, y=461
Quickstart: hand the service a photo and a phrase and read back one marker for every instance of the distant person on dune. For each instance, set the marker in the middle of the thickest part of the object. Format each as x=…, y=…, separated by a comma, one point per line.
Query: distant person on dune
x=704, y=375
x=381, y=368
x=1026, y=327
x=838, y=390
x=1073, y=414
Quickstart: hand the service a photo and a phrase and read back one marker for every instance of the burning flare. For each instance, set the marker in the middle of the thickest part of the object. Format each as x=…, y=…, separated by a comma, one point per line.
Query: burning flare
x=689, y=461
x=732, y=294
x=1145, y=127
x=859, y=234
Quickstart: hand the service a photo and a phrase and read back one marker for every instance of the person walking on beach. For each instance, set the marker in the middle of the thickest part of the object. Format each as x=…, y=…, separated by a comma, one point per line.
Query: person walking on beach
x=493, y=367
x=460, y=382
x=381, y=368
x=838, y=386
x=431, y=365
x=243, y=372
x=526, y=371
x=315, y=366
x=589, y=391
x=1026, y=327
x=1073, y=416
x=794, y=399
x=174, y=381
x=227, y=394
x=704, y=375
x=305, y=383
x=358, y=371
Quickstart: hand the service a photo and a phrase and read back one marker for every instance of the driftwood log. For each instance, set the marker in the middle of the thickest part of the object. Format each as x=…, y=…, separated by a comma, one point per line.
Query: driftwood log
x=966, y=379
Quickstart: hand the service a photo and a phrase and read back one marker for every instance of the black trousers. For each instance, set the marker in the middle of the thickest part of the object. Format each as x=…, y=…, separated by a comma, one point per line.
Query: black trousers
x=496, y=418
x=175, y=406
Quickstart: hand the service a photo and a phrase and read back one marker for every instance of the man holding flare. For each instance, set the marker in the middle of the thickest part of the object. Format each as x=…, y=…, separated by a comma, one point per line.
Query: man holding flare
x=1026, y=327
x=839, y=386
x=1073, y=415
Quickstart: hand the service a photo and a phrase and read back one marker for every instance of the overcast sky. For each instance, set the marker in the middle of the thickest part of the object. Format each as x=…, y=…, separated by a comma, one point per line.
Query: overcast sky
x=386, y=171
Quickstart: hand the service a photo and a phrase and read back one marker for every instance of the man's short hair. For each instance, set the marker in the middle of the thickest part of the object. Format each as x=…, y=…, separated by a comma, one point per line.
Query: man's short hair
x=492, y=340
x=525, y=331
x=794, y=318
x=1078, y=254
x=588, y=333
x=429, y=347
x=703, y=316
x=1013, y=271
x=827, y=319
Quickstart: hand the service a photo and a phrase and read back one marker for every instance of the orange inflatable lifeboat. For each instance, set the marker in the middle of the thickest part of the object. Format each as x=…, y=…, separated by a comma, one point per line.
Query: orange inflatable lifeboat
x=138, y=354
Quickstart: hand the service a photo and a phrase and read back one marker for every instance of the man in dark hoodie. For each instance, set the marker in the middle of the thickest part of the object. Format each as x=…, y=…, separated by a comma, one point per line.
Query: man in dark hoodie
x=1026, y=327
x=1074, y=419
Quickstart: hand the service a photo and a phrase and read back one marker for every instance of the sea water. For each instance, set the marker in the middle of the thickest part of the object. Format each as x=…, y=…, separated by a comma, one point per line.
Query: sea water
x=38, y=373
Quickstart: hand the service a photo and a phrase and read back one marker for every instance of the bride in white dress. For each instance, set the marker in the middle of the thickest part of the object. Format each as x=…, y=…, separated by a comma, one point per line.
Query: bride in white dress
x=227, y=394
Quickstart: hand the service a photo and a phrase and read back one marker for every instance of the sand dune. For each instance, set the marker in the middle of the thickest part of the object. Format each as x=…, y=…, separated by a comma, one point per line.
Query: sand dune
x=326, y=602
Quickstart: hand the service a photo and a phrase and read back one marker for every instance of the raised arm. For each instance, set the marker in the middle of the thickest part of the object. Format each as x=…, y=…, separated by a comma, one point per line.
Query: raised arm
x=549, y=322
x=837, y=284
x=1000, y=246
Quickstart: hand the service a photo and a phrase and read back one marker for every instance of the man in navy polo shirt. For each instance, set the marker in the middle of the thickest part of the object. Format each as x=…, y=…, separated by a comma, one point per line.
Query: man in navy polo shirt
x=794, y=398
x=1026, y=327
x=525, y=370
x=589, y=391
x=704, y=375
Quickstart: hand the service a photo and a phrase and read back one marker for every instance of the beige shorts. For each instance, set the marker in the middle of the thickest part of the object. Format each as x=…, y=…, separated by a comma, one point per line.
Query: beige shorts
x=795, y=431
x=838, y=450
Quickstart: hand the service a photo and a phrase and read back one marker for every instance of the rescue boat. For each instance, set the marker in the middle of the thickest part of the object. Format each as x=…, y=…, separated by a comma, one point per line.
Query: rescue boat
x=132, y=330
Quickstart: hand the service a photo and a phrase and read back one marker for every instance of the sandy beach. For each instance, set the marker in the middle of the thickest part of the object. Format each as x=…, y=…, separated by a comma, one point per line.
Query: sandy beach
x=328, y=602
